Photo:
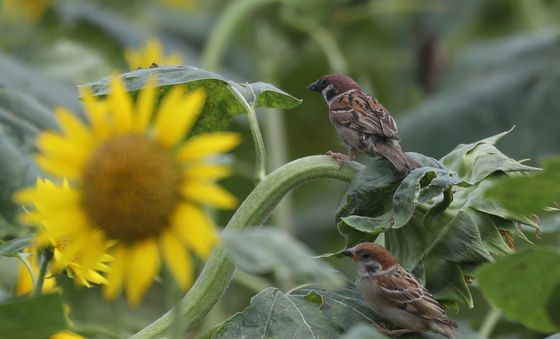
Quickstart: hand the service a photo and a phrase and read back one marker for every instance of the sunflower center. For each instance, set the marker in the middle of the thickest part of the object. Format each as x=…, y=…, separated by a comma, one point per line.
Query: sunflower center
x=131, y=187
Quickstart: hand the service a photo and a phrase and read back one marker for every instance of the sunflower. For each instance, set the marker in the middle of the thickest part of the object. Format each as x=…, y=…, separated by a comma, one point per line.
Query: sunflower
x=152, y=53
x=135, y=186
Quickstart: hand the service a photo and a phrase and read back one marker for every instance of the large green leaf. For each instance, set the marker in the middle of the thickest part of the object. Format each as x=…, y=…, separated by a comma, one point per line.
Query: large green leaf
x=266, y=250
x=522, y=286
x=38, y=317
x=529, y=194
x=225, y=98
x=303, y=313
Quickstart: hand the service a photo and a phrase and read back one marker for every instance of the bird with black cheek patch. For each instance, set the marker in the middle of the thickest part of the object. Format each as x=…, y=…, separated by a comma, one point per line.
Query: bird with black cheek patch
x=394, y=293
x=362, y=123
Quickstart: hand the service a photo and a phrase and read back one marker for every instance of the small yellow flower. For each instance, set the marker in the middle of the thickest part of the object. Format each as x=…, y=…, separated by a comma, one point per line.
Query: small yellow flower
x=152, y=53
x=136, y=187
x=65, y=335
x=31, y=10
x=65, y=257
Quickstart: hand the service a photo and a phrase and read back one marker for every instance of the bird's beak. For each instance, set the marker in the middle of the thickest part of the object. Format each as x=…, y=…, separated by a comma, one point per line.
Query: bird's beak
x=349, y=252
x=314, y=86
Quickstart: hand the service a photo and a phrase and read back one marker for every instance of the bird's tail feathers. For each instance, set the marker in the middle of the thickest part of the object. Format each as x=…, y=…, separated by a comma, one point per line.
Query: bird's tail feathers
x=392, y=152
x=446, y=327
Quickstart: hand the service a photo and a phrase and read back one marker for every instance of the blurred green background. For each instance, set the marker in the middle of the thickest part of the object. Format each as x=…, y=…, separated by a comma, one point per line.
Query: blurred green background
x=450, y=72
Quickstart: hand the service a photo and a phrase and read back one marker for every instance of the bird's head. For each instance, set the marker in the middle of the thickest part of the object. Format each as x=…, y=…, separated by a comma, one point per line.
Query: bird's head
x=370, y=258
x=331, y=85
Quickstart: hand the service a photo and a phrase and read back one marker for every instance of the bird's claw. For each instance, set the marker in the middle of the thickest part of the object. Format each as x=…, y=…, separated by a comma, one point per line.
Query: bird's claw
x=340, y=158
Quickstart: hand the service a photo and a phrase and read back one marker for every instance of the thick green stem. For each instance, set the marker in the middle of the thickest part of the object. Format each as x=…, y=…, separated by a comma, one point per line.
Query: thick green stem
x=254, y=210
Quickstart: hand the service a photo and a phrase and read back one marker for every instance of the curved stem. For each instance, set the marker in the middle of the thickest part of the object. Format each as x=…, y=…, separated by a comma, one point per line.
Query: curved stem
x=260, y=156
x=326, y=41
x=489, y=323
x=221, y=35
x=254, y=210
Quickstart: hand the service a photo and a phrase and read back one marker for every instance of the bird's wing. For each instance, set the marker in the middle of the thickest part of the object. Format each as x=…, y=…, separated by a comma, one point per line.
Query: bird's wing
x=360, y=111
x=400, y=288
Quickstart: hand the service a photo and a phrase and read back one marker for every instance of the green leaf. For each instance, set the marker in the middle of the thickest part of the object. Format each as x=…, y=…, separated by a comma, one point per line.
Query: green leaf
x=10, y=248
x=49, y=92
x=303, y=313
x=478, y=160
x=24, y=113
x=461, y=242
x=38, y=317
x=225, y=98
x=357, y=229
x=421, y=185
x=450, y=284
x=522, y=284
x=266, y=250
x=529, y=194
x=16, y=170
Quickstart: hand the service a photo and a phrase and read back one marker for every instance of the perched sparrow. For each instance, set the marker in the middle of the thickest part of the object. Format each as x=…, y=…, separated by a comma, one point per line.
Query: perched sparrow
x=395, y=294
x=362, y=123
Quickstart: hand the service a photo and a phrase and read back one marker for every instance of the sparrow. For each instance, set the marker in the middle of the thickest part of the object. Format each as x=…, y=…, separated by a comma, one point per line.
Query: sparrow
x=361, y=122
x=395, y=294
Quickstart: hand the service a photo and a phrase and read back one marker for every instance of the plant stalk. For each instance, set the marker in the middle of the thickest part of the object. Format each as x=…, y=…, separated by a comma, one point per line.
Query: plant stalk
x=233, y=16
x=255, y=209
x=44, y=259
x=260, y=152
x=489, y=323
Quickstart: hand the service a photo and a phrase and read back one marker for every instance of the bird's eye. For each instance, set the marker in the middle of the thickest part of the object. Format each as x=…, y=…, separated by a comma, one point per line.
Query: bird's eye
x=366, y=256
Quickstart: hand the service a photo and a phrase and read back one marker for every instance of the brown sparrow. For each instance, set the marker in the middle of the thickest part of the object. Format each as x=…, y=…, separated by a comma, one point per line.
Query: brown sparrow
x=362, y=123
x=395, y=294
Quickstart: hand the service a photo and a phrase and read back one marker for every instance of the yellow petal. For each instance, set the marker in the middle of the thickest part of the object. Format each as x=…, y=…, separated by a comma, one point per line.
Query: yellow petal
x=195, y=228
x=142, y=267
x=208, y=194
x=73, y=127
x=116, y=275
x=152, y=53
x=66, y=335
x=121, y=106
x=207, y=172
x=177, y=258
x=56, y=146
x=172, y=59
x=145, y=105
x=24, y=282
x=177, y=114
x=96, y=112
x=132, y=58
x=57, y=167
x=204, y=145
